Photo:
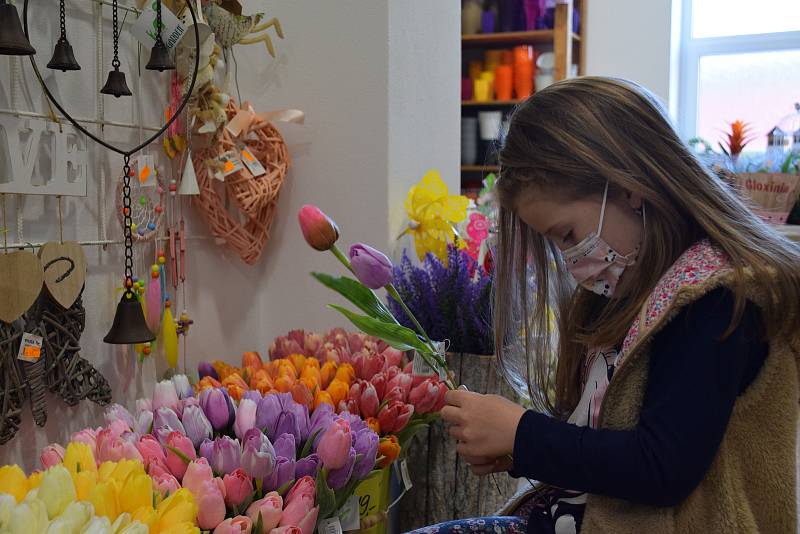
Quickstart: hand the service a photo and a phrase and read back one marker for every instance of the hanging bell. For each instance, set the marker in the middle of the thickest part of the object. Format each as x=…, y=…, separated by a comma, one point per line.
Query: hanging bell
x=160, y=59
x=129, y=326
x=115, y=85
x=12, y=39
x=63, y=59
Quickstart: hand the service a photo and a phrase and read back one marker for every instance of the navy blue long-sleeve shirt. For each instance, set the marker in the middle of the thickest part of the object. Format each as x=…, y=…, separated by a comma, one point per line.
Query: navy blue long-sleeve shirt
x=693, y=382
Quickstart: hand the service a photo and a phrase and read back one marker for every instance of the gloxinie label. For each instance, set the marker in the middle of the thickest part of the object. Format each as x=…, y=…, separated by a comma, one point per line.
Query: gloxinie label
x=769, y=187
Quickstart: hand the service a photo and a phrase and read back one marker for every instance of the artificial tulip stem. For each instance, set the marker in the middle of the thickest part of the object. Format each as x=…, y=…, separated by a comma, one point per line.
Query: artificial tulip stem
x=396, y=296
x=342, y=258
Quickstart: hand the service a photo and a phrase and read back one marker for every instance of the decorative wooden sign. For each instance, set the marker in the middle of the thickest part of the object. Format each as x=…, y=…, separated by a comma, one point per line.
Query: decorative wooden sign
x=20, y=284
x=64, y=267
x=40, y=157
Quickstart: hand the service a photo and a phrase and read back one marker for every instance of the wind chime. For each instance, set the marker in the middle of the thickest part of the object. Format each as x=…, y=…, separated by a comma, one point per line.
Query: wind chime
x=129, y=325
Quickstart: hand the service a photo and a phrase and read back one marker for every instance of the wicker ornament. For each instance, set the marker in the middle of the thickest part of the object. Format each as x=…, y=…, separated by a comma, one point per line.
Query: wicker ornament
x=255, y=197
x=12, y=390
x=147, y=208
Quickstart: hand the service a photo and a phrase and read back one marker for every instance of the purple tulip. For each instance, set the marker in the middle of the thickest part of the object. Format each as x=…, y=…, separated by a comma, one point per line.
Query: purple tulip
x=144, y=422
x=258, y=455
x=166, y=418
x=338, y=478
x=372, y=267
x=356, y=423
x=226, y=456
x=182, y=386
x=206, y=450
x=165, y=395
x=206, y=369
x=365, y=442
x=245, y=417
x=252, y=394
x=307, y=466
x=117, y=412
x=320, y=420
x=218, y=407
x=144, y=404
x=288, y=424
x=267, y=413
x=284, y=472
x=286, y=447
x=198, y=427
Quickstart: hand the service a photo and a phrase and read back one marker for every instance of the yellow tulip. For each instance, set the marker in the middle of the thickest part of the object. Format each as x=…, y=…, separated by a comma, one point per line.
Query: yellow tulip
x=98, y=525
x=134, y=528
x=181, y=528
x=35, y=480
x=137, y=491
x=75, y=516
x=29, y=517
x=84, y=482
x=104, y=498
x=78, y=457
x=7, y=505
x=13, y=481
x=180, y=507
x=122, y=521
x=57, y=490
x=146, y=516
x=125, y=468
x=105, y=470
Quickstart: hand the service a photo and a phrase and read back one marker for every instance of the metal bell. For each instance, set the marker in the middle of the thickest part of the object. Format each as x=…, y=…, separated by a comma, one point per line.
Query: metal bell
x=129, y=326
x=12, y=39
x=160, y=59
x=63, y=59
x=115, y=85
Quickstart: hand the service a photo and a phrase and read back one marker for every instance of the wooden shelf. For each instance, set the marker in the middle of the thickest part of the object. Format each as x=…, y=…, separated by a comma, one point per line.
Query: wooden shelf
x=489, y=104
x=480, y=168
x=502, y=39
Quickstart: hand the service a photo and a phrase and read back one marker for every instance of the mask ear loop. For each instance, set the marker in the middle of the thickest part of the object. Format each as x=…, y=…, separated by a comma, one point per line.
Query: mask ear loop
x=603, y=210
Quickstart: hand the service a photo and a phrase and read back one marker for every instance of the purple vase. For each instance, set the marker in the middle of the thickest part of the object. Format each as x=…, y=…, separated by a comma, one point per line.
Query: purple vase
x=487, y=22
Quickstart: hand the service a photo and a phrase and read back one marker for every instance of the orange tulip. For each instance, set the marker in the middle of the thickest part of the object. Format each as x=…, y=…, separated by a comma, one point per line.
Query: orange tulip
x=323, y=397
x=235, y=378
x=302, y=394
x=313, y=362
x=327, y=374
x=312, y=373
x=208, y=382
x=373, y=423
x=297, y=360
x=346, y=373
x=236, y=392
x=284, y=384
x=338, y=390
x=223, y=369
x=283, y=367
x=252, y=359
x=389, y=448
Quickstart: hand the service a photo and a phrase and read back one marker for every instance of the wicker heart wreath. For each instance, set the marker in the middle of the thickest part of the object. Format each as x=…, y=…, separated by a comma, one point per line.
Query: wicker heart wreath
x=256, y=197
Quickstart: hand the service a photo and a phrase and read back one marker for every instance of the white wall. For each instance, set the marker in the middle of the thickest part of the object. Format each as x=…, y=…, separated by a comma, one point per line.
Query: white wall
x=379, y=84
x=632, y=39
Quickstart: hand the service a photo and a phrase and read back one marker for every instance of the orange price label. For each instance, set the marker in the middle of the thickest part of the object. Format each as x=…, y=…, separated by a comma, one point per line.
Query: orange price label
x=33, y=352
x=30, y=350
x=145, y=174
x=247, y=155
x=229, y=166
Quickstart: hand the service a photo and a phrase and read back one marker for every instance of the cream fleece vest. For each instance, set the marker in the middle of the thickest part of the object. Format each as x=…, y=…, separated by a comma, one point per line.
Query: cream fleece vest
x=751, y=484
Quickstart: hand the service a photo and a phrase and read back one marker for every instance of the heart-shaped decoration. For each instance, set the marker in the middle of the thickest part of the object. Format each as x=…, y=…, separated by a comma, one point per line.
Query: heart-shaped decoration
x=64, y=266
x=20, y=284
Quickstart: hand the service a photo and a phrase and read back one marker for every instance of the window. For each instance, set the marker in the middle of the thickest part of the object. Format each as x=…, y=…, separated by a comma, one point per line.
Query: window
x=739, y=60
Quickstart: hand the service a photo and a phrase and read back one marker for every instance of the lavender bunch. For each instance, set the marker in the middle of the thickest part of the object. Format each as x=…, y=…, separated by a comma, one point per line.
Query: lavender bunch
x=451, y=300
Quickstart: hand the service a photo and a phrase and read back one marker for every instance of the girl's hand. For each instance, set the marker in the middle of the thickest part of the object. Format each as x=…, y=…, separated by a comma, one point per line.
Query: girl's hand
x=481, y=465
x=484, y=425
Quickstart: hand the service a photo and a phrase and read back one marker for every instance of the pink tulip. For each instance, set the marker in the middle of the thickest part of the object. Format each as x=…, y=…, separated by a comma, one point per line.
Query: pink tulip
x=111, y=448
x=235, y=525
x=197, y=473
x=210, y=498
x=429, y=396
x=371, y=266
x=238, y=487
x=245, y=417
x=319, y=230
x=379, y=382
x=397, y=394
x=395, y=416
x=176, y=464
x=365, y=397
x=157, y=468
x=51, y=455
x=368, y=365
x=393, y=356
x=304, y=488
x=270, y=508
x=392, y=372
x=165, y=395
x=165, y=484
x=118, y=427
x=151, y=450
x=144, y=405
x=300, y=510
x=87, y=436
x=335, y=444
x=313, y=342
x=403, y=381
x=286, y=530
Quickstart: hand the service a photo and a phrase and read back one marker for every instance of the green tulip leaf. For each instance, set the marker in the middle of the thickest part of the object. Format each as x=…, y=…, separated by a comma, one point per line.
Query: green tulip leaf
x=283, y=490
x=326, y=498
x=360, y=295
x=180, y=454
x=397, y=336
x=309, y=443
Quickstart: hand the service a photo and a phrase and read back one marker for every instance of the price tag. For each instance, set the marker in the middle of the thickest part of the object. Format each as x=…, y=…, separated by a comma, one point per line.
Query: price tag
x=407, y=484
x=146, y=168
x=145, y=28
x=330, y=526
x=420, y=367
x=349, y=515
x=251, y=162
x=230, y=163
x=30, y=350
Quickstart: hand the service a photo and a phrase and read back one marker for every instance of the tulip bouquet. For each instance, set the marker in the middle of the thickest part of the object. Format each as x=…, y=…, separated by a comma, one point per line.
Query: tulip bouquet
x=372, y=270
x=75, y=495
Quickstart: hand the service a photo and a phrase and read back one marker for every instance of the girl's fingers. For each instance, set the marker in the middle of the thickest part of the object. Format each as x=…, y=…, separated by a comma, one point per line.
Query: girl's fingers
x=451, y=415
x=457, y=432
x=456, y=397
x=484, y=469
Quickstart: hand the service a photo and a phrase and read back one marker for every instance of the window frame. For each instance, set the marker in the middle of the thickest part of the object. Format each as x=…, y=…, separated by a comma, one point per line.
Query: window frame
x=693, y=48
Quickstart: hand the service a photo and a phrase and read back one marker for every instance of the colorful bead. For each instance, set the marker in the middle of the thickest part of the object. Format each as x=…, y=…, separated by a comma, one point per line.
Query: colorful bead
x=141, y=230
x=142, y=200
x=151, y=226
x=126, y=211
x=146, y=350
x=133, y=227
x=158, y=208
x=162, y=260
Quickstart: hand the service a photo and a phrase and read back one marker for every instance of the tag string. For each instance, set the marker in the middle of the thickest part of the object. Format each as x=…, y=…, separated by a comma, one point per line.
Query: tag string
x=60, y=221
x=5, y=225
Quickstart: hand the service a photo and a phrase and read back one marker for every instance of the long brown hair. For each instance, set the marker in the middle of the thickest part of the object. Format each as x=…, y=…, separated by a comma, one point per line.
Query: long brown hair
x=569, y=140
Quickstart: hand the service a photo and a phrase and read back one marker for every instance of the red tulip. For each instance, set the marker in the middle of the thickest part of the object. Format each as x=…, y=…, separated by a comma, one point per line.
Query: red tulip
x=319, y=230
x=368, y=365
x=365, y=397
x=429, y=396
x=402, y=381
x=395, y=416
x=379, y=382
x=238, y=487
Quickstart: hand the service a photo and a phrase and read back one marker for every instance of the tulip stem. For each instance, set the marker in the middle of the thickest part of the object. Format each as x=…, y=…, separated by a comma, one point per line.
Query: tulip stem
x=342, y=258
x=396, y=296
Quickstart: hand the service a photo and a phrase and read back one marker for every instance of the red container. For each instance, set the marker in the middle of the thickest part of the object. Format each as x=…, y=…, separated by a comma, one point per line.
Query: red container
x=503, y=82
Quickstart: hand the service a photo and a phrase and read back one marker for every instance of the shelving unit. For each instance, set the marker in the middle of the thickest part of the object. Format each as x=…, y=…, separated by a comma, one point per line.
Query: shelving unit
x=569, y=48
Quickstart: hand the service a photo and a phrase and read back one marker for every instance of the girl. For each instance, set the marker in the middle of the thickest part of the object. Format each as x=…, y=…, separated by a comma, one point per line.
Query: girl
x=667, y=399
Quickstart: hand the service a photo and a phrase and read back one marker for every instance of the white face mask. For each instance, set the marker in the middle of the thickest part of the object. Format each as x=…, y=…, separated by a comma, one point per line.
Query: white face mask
x=594, y=264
